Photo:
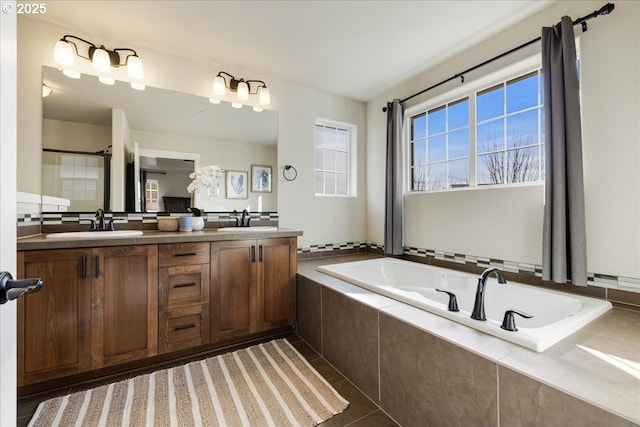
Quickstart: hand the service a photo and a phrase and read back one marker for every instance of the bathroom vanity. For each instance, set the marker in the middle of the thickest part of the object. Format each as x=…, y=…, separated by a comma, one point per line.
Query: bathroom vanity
x=115, y=304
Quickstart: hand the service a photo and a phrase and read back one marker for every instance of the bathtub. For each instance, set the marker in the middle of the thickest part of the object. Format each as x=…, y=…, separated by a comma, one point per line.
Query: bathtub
x=556, y=315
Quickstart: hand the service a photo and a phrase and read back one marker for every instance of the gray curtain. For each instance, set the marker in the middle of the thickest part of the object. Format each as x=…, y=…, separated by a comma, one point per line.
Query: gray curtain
x=393, y=209
x=564, y=240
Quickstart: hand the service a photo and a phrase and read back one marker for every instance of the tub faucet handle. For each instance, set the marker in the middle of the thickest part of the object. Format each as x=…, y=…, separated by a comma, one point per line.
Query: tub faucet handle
x=509, y=322
x=453, y=301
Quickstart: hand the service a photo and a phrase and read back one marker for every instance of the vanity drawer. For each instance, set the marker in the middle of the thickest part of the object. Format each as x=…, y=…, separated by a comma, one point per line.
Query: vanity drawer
x=183, y=328
x=170, y=255
x=183, y=285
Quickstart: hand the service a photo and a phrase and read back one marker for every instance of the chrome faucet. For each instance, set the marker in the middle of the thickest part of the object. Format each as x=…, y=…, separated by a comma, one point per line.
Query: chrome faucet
x=478, y=306
x=99, y=225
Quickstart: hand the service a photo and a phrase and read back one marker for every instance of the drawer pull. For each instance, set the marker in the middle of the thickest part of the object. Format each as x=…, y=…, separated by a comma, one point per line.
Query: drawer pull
x=184, y=327
x=184, y=285
x=186, y=254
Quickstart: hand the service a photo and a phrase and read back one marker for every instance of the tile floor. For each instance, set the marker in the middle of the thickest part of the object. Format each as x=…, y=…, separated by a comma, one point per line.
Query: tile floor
x=361, y=412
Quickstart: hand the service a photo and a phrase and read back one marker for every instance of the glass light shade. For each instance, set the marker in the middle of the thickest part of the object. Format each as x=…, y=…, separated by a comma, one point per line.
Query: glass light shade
x=63, y=53
x=138, y=86
x=257, y=109
x=243, y=91
x=134, y=67
x=236, y=105
x=214, y=100
x=107, y=80
x=101, y=61
x=72, y=74
x=218, y=86
x=264, y=96
x=46, y=90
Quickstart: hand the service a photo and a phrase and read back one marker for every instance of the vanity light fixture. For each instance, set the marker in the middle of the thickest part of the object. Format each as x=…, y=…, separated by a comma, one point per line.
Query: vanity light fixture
x=224, y=81
x=67, y=48
x=46, y=90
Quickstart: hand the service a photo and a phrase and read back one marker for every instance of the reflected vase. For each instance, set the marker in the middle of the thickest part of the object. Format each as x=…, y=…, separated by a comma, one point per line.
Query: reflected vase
x=198, y=223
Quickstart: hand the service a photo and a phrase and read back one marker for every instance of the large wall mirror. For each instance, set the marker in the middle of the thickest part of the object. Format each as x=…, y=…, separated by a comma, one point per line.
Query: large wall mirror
x=165, y=134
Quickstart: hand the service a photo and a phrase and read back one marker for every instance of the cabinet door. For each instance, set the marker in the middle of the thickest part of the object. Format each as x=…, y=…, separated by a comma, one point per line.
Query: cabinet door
x=233, y=272
x=124, y=304
x=54, y=325
x=276, y=282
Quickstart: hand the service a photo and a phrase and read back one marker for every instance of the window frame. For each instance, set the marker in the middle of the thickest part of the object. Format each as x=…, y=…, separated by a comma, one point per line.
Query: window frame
x=351, y=156
x=468, y=90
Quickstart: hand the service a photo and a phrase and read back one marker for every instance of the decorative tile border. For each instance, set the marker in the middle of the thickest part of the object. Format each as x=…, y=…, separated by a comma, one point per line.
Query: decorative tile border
x=332, y=247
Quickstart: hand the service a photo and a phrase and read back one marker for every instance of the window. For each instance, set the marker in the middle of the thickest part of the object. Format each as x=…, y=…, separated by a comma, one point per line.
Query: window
x=440, y=147
x=335, y=158
x=492, y=136
x=509, y=134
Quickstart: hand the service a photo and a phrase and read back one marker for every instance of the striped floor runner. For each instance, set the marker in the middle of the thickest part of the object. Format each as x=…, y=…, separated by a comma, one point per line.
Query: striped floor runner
x=269, y=384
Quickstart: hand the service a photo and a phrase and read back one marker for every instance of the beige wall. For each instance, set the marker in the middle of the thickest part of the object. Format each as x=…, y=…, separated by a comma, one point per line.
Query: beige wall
x=62, y=135
x=507, y=223
x=297, y=108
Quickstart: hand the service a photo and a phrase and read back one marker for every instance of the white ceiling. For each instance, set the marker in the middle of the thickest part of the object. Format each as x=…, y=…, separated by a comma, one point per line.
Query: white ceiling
x=357, y=49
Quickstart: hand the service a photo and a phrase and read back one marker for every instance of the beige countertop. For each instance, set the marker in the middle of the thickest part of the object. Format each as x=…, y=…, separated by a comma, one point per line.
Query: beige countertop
x=599, y=364
x=152, y=237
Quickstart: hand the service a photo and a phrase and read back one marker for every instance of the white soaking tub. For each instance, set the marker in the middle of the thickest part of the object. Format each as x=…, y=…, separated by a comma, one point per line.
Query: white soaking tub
x=556, y=315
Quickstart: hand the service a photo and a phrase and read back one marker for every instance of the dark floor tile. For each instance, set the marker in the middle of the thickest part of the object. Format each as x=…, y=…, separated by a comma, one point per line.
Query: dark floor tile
x=328, y=372
x=305, y=350
x=375, y=419
x=359, y=404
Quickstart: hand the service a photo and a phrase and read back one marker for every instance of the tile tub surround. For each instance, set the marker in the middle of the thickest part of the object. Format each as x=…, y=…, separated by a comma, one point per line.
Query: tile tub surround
x=590, y=372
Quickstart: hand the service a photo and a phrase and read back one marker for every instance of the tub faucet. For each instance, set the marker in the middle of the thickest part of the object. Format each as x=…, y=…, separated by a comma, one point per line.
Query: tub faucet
x=478, y=306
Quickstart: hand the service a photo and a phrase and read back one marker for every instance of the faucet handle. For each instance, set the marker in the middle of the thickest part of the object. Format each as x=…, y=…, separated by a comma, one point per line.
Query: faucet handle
x=509, y=322
x=453, y=301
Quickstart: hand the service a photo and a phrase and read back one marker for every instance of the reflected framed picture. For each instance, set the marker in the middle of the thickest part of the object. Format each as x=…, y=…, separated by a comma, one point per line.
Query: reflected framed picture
x=260, y=179
x=237, y=184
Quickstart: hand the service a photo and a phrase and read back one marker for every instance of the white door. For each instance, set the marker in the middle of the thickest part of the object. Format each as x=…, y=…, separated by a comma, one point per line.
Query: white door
x=8, y=347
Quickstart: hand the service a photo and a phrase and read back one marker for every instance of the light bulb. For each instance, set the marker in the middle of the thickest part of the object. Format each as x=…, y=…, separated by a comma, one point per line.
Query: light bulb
x=101, y=61
x=63, y=53
x=243, y=91
x=107, y=80
x=134, y=67
x=264, y=95
x=72, y=74
x=218, y=86
x=236, y=105
x=214, y=100
x=138, y=86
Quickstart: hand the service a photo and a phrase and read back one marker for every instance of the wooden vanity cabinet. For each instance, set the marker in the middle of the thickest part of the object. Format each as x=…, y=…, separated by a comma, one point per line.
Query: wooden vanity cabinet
x=252, y=286
x=54, y=324
x=124, y=304
x=183, y=295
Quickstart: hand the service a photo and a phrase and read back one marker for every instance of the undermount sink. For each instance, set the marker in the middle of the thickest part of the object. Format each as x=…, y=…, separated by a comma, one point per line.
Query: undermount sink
x=97, y=235
x=244, y=229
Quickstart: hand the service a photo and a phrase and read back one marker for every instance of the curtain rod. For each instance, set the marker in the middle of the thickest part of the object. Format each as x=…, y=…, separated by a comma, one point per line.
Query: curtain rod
x=604, y=10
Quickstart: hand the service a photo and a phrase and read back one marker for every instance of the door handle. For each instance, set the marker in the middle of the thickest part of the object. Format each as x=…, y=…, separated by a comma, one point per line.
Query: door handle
x=11, y=289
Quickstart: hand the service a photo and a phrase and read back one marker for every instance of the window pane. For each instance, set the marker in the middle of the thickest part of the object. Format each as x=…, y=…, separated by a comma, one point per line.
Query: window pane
x=319, y=182
x=319, y=158
x=522, y=129
x=437, y=147
x=459, y=114
x=419, y=178
x=459, y=173
x=322, y=137
x=329, y=183
x=437, y=176
x=522, y=165
x=330, y=160
x=437, y=121
x=490, y=136
x=490, y=104
x=522, y=93
x=342, y=139
x=490, y=169
x=459, y=143
x=420, y=152
x=341, y=184
x=419, y=126
x=341, y=162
